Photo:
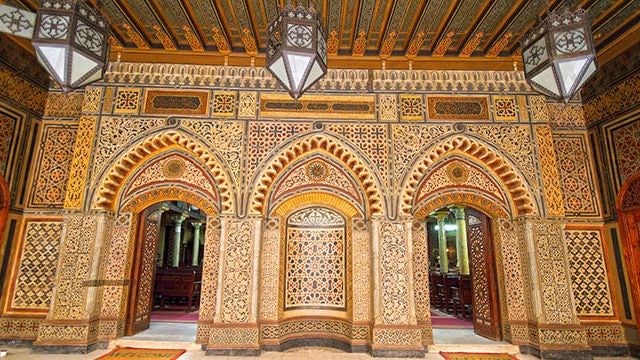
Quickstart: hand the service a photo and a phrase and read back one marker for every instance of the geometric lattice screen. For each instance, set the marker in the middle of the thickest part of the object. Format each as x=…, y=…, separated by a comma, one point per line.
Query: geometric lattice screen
x=315, y=260
x=34, y=284
x=588, y=273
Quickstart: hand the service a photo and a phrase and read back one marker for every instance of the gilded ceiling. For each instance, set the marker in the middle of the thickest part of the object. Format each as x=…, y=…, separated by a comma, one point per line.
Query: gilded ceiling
x=360, y=30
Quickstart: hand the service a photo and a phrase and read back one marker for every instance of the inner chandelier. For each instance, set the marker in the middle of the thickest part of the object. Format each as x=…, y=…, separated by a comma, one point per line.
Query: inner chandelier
x=297, y=49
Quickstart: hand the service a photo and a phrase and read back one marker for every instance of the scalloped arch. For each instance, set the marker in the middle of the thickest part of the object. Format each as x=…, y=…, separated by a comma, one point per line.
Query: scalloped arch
x=505, y=172
x=307, y=145
x=112, y=183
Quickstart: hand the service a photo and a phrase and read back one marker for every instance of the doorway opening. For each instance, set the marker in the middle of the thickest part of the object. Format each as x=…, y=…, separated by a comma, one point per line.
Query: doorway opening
x=166, y=273
x=628, y=206
x=463, y=284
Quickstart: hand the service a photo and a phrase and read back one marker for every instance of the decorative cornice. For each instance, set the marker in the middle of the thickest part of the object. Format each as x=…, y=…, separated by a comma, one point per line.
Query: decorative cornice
x=246, y=78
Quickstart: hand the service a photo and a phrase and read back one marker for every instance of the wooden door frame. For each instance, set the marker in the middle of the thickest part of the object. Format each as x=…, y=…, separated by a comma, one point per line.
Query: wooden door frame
x=493, y=280
x=5, y=197
x=137, y=267
x=630, y=244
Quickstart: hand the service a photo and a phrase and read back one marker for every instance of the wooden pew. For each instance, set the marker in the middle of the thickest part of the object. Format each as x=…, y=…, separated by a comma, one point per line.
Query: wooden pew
x=177, y=288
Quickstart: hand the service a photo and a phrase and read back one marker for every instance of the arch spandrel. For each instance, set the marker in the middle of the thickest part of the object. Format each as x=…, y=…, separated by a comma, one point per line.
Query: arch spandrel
x=109, y=189
x=264, y=183
x=510, y=179
x=316, y=173
x=459, y=177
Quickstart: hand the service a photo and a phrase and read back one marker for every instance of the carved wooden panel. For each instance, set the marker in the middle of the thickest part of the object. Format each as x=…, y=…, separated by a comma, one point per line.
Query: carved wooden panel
x=484, y=281
x=143, y=273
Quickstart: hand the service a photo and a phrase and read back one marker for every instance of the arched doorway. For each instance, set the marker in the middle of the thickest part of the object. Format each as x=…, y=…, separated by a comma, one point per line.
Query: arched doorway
x=628, y=206
x=463, y=283
x=463, y=171
x=167, y=271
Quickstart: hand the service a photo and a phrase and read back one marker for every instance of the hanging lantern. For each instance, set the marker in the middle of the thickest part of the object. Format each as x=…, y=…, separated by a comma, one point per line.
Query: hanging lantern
x=71, y=41
x=559, y=55
x=297, y=49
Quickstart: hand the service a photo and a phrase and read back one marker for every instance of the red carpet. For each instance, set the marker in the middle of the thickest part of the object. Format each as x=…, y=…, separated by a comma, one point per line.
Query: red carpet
x=175, y=316
x=445, y=321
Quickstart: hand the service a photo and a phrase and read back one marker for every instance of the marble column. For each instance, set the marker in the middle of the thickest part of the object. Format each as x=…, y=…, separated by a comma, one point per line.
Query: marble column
x=177, y=240
x=440, y=216
x=196, y=243
x=461, y=240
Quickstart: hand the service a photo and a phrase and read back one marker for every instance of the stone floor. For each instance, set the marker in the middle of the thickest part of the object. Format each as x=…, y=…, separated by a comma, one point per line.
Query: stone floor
x=307, y=354
x=182, y=336
x=186, y=332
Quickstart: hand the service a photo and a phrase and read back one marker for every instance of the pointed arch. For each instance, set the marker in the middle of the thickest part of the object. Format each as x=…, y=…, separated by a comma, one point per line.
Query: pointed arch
x=111, y=185
x=629, y=194
x=309, y=145
x=510, y=179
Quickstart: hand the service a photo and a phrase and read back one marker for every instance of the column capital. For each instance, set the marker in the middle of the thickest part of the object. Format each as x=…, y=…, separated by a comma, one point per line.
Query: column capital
x=439, y=215
x=196, y=224
x=179, y=219
x=458, y=211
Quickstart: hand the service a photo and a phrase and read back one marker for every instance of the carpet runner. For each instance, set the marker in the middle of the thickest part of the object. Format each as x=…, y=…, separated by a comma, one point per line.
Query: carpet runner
x=476, y=356
x=121, y=353
x=175, y=316
x=441, y=320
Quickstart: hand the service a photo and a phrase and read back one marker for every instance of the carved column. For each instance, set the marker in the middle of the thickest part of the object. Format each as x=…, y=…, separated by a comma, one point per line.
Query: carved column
x=210, y=275
x=195, y=253
x=461, y=240
x=557, y=332
x=270, y=284
x=440, y=216
x=234, y=330
x=361, y=280
x=421, y=281
x=72, y=322
x=396, y=332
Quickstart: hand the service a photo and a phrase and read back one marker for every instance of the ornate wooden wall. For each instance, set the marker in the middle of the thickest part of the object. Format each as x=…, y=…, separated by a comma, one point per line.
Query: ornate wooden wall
x=386, y=147
x=612, y=112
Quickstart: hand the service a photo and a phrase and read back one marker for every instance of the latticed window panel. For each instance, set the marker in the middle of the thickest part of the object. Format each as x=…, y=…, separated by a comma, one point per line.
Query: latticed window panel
x=315, y=260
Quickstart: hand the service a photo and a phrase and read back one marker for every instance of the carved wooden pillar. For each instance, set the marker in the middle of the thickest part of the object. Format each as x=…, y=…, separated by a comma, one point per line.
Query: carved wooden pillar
x=72, y=322
x=555, y=331
x=421, y=281
x=234, y=330
x=361, y=280
x=396, y=332
x=270, y=284
x=210, y=274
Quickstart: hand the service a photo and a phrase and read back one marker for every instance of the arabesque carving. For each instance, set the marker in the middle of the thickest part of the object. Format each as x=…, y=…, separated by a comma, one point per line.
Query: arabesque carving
x=308, y=145
x=112, y=182
x=513, y=182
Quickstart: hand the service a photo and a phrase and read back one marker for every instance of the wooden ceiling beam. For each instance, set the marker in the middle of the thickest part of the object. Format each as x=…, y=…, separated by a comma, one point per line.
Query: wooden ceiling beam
x=416, y=40
x=335, y=62
x=444, y=23
x=473, y=27
x=504, y=24
x=517, y=38
x=198, y=35
x=139, y=24
x=389, y=12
